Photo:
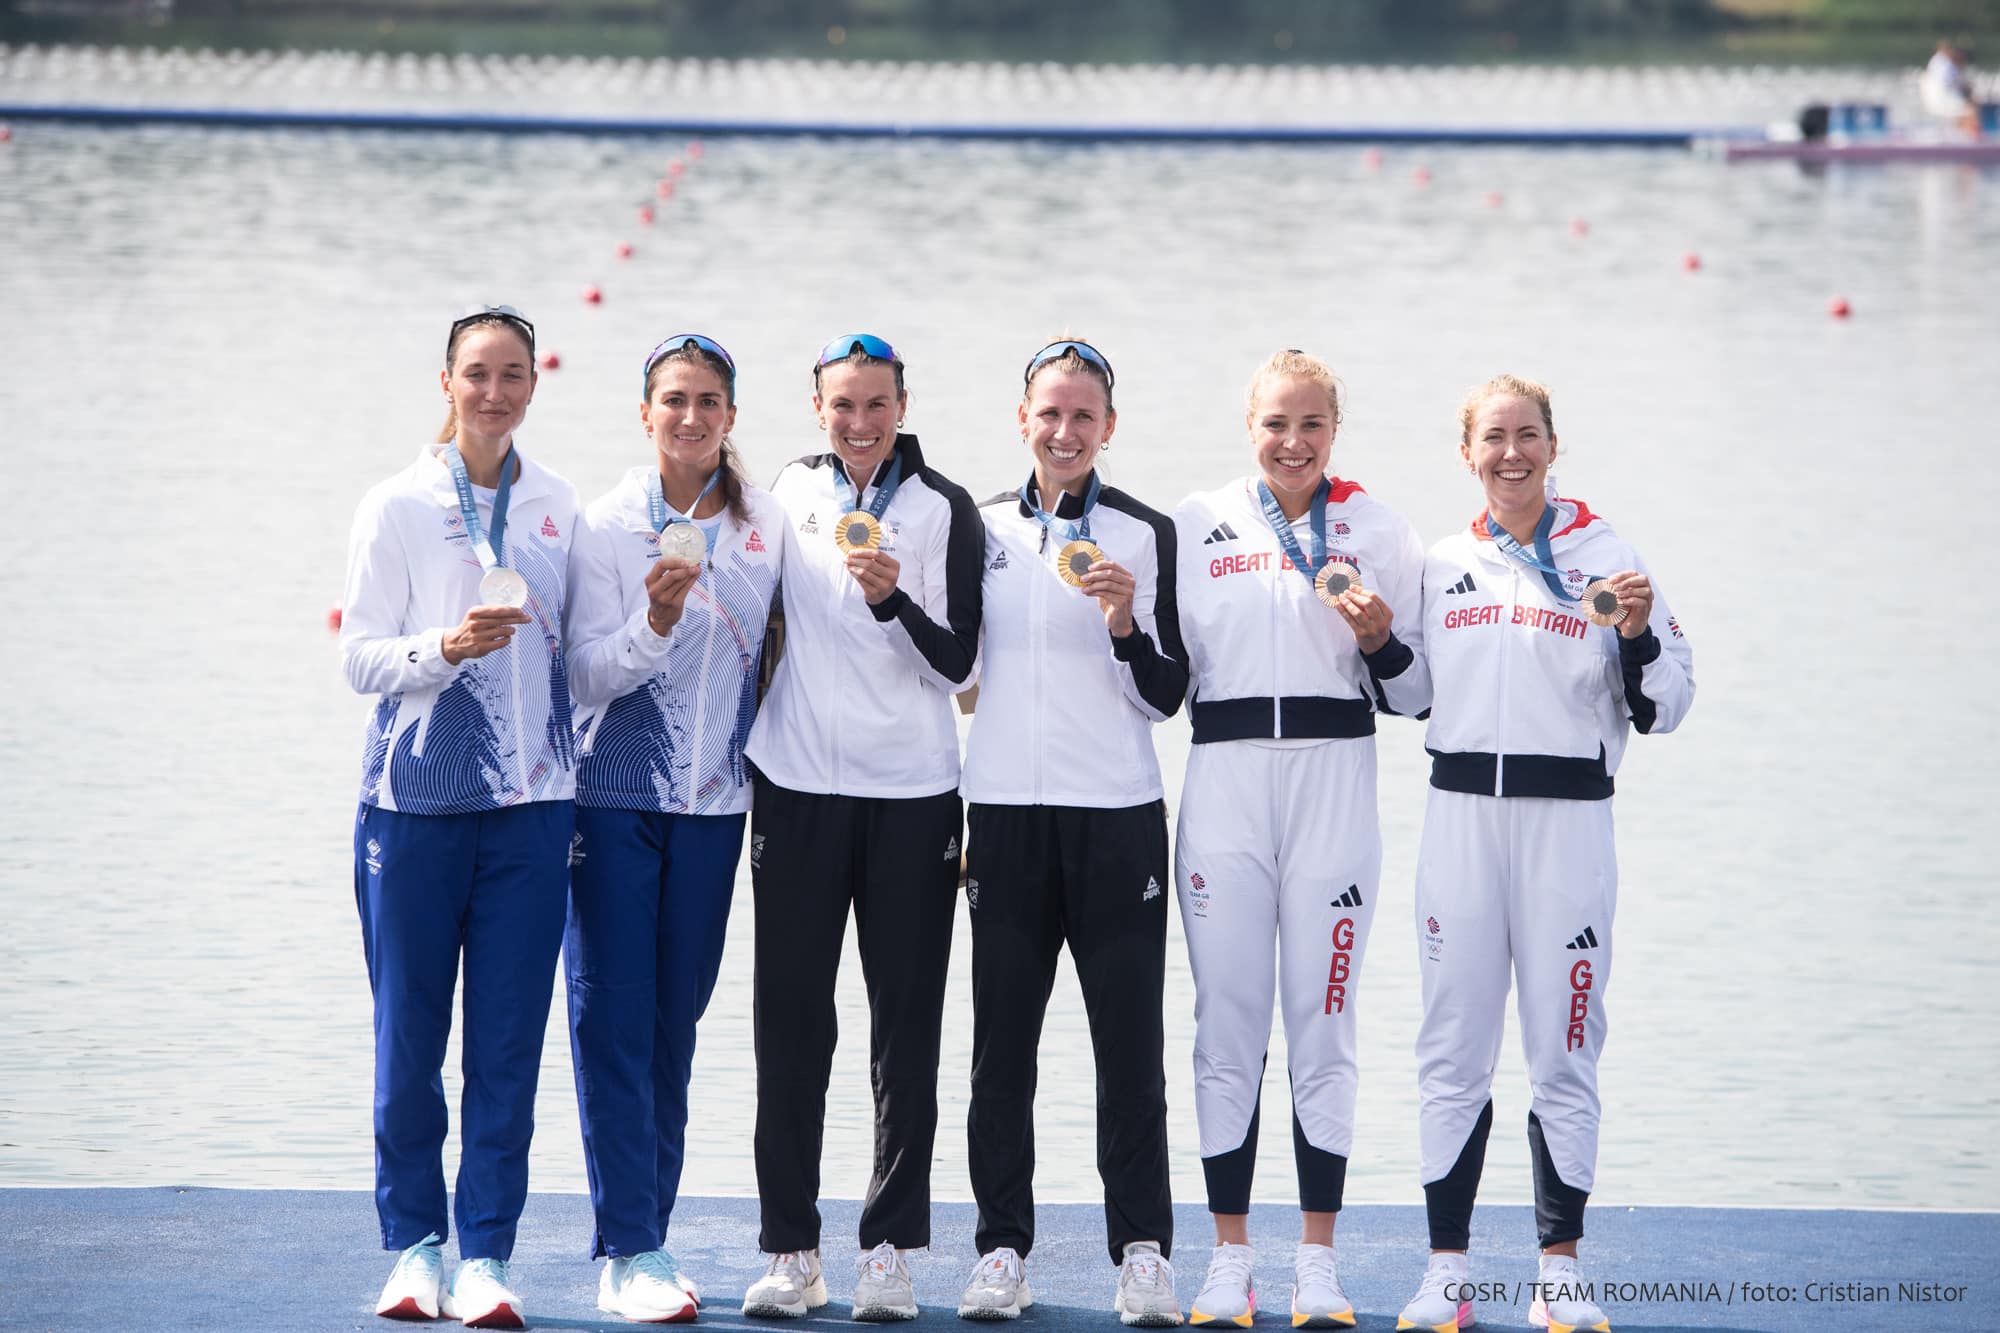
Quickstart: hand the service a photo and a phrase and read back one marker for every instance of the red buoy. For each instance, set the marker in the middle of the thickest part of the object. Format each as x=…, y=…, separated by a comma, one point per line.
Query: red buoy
x=1691, y=262
x=1494, y=199
x=1422, y=176
x=645, y=215
x=694, y=149
x=5, y=134
x=624, y=250
x=1839, y=308
x=333, y=612
x=665, y=189
x=551, y=361
x=1579, y=226
x=1371, y=158
x=676, y=167
x=592, y=296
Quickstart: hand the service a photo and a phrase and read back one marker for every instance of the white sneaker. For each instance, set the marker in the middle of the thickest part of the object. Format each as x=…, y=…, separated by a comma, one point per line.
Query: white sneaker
x=643, y=1288
x=1562, y=1299
x=790, y=1287
x=882, y=1286
x=1146, y=1288
x=412, y=1289
x=1317, y=1300
x=1443, y=1302
x=998, y=1289
x=479, y=1296
x=1227, y=1293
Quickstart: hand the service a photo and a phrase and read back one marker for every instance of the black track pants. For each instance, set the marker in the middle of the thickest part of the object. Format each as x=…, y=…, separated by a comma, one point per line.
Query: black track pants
x=895, y=863
x=1040, y=876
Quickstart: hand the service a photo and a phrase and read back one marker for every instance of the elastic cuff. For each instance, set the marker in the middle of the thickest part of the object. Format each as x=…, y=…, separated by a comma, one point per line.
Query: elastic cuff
x=1132, y=646
x=1639, y=650
x=1391, y=660
x=887, y=609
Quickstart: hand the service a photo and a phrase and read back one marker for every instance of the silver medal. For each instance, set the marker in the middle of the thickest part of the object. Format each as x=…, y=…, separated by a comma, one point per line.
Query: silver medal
x=503, y=587
x=684, y=541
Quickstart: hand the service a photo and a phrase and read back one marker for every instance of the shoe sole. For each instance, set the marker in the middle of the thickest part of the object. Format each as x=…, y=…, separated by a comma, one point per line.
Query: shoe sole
x=502, y=1315
x=1345, y=1319
x=1199, y=1320
x=407, y=1308
x=1149, y=1320
x=1466, y=1319
x=1538, y=1315
x=988, y=1313
x=684, y=1315
x=883, y=1314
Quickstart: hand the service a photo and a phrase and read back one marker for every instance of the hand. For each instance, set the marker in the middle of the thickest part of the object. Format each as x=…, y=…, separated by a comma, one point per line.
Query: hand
x=485, y=629
x=1368, y=616
x=1635, y=594
x=876, y=571
x=1113, y=586
x=667, y=585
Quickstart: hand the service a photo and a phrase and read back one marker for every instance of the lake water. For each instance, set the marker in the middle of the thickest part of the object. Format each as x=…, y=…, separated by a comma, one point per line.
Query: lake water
x=215, y=341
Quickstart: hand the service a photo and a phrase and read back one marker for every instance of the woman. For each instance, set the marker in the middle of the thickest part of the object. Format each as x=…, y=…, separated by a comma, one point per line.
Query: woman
x=857, y=808
x=1068, y=832
x=672, y=577
x=1540, y=625
x=1300, y=600
x=456, y=588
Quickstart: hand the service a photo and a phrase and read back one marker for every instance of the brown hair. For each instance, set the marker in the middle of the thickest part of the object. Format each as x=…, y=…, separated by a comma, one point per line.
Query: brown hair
x=732, y=482
x=1071, y=362
x=857, y=357
x=1292, y=363
x=494, y=320
x=1511, y=385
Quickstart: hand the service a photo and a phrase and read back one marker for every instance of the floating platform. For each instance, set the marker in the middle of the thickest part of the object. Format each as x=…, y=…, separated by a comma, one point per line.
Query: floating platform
x=1071, y=132
x=1984, y=152
x=120, y=1259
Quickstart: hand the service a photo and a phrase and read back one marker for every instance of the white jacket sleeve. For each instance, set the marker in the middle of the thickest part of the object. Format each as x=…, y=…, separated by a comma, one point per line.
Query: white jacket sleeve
x=611, y=644
x=1405, y=687
x=1658, y=668
x=1155, y=678
x=937, y=631
x=377, y=655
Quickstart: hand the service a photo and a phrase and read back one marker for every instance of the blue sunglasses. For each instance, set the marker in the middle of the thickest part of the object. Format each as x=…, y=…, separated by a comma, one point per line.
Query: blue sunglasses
x=847, y=344
x=1057, y=351
x=681, y=342
x=505, y=314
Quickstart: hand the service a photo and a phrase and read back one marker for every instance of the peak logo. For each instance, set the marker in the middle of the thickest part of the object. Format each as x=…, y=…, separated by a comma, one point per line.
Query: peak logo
x=549, y=528
x=753, y=542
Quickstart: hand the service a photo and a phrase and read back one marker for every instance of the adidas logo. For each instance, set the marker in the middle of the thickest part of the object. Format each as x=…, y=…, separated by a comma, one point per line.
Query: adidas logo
x=811, y=524
x=1587, y=940
x=576, y=849
x=756, y=850
x=1463, y=585
x=754, y=542
x=999, y=561
x=951, y=849
x=1222, y=533
x=1352, y=898
x=1152, y=890
x=549, y=528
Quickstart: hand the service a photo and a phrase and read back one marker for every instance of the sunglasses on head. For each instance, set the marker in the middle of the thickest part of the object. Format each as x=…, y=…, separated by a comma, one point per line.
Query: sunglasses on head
x=680, y=342
x=506, y=314
x=1057, y=351
x=847, y=344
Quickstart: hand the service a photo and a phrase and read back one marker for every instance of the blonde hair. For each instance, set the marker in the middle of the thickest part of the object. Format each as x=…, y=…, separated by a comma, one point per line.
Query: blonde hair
x=1512, y=386
x=1292, y=363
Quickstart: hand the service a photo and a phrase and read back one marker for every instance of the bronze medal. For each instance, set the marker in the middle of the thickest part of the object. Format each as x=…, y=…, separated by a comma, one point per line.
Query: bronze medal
x=1601, y=604
x=1334, y=578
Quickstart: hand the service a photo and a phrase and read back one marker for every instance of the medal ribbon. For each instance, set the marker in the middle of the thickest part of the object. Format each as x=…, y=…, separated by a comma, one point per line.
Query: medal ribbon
x=489, y=550
x=1073, y=531
x=891, y=479
x=663, y=514
x=1281, y=525
x=1543, y=559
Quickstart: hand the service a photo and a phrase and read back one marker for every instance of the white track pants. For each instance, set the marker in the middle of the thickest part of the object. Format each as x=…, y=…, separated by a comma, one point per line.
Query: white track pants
x=1531, y=882
x=1277, y=859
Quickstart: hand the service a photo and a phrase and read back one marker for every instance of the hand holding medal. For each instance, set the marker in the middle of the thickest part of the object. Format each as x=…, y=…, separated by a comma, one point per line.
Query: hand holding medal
x=485, y=629
x=667, y=585
x=1625, y=600
x=875, y=570
x=1366, y=614
x=1110, y=583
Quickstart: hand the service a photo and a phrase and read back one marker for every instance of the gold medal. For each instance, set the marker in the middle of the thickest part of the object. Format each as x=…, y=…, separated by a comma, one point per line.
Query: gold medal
x=1334, y=578
x=1601, y=604
x=857, y=531
x=1075, y=560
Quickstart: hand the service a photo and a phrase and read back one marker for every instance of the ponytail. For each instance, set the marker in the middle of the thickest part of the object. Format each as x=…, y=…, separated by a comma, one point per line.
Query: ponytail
x=732, y=482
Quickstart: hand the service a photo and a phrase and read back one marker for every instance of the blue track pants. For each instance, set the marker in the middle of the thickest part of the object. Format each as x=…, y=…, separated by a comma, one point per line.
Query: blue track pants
x=430, y=888
x=649, y=904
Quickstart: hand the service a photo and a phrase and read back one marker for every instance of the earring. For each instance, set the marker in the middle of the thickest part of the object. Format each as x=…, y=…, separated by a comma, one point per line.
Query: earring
x=899, y=423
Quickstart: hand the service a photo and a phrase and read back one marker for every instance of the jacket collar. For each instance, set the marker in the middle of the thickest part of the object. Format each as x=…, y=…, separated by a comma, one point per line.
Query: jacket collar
x=1067, y=506
x=1571, y=516
x=436, y=477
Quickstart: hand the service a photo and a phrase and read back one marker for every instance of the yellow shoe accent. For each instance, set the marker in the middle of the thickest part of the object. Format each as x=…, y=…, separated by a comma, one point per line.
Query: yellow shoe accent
x=1344, y=1318
x=1402, y=1323
x=1244, y=1320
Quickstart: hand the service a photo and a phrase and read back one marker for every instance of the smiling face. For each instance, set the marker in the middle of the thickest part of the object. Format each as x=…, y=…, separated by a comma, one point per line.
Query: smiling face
x=1509, y=446
x=858, y=408
x=1292, y=421
x=490, y=384
x=687, y=413
x=1065, y=419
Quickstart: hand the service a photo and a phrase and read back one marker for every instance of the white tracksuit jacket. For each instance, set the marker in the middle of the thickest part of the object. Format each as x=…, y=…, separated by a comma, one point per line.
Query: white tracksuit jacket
x=861, y=704
x=1066, y=712
x=661, y=722
x=1278, y=850
x=1534, y=705
x=492, y=731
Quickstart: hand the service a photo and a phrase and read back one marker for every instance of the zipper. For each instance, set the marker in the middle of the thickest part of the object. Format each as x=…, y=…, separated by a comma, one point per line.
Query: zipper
x=1500, y=681
x=1037, y=630
x=707, y=653
x=1278, y=572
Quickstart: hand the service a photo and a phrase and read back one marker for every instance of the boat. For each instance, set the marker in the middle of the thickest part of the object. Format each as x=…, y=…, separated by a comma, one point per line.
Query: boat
x=1861, y=132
